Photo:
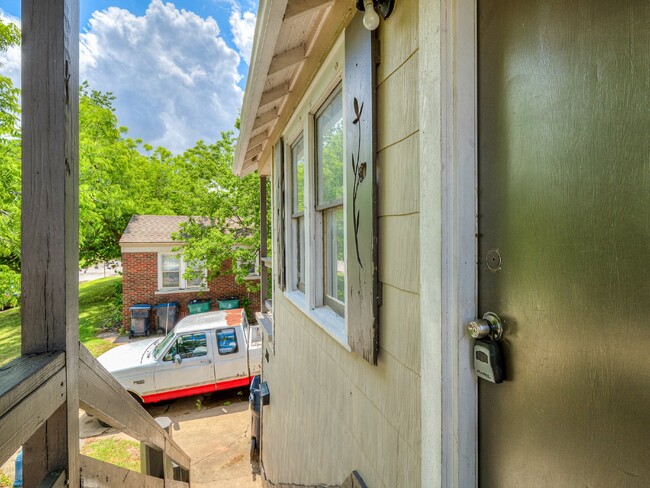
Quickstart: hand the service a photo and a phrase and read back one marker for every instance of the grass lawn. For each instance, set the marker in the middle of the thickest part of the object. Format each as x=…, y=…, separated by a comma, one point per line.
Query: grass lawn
x=122, y=452
x=97, y=312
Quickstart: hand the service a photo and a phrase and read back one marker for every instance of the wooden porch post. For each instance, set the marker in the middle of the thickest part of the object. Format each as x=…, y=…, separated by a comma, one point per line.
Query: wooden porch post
x=50, y=219
x=264, y=272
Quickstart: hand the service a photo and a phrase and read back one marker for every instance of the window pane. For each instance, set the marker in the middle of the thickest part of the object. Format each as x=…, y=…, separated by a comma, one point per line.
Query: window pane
x=334, y=254
x=171, y=263
x=300, y=236
x=298, y=172
x=198, y=281
x=227, y=341
x=189, y=346
x=329, y=144
x=171, y=279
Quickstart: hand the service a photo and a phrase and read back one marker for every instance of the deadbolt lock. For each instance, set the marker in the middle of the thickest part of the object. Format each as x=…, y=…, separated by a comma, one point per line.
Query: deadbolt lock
x=489, y=326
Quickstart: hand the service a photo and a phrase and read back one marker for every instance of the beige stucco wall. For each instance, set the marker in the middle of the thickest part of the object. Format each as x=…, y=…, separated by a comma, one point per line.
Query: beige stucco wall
x=331, y=412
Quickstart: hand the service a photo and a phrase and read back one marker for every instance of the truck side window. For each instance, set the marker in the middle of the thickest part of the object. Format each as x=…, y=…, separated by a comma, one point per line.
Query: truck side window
x=188, y=346
x=227, y=341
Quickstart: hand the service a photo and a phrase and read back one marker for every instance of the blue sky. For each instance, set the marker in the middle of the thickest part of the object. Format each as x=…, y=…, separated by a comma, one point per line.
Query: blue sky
x=177, y=68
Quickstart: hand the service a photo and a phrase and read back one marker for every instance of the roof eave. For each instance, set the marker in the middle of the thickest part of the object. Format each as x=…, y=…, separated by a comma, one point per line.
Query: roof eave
x=267, y=30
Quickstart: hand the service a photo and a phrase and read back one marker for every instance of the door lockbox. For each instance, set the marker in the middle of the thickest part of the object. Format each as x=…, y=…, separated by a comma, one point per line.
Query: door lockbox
x=488, y=360
x=488, y=354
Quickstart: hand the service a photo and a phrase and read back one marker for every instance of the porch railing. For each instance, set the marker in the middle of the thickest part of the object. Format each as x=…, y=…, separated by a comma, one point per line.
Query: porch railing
x=33, y=387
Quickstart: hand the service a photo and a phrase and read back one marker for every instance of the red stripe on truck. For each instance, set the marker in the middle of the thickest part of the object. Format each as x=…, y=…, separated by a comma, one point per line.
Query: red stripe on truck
x=197, y=390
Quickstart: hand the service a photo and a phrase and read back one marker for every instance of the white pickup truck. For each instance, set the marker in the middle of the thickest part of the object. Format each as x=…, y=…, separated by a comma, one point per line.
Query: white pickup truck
x=204, y=353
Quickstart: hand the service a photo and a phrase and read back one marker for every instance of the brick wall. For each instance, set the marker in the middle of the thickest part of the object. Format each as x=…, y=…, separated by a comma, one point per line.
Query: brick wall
x=140, y=283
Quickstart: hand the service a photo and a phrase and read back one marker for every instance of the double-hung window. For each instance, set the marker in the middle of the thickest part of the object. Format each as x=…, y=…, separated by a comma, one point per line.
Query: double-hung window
x=171, y=273
x=298, y=211
x=328, y=125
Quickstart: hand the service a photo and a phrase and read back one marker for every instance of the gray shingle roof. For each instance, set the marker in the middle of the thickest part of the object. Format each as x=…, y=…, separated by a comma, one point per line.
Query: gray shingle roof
x=152, y=228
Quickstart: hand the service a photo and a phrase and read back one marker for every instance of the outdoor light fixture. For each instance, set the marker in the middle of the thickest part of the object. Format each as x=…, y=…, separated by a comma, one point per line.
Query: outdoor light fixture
x=371, y=9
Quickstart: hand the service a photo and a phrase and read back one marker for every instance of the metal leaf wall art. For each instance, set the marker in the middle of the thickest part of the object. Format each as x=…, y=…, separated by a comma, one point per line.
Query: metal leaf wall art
x=359, y=170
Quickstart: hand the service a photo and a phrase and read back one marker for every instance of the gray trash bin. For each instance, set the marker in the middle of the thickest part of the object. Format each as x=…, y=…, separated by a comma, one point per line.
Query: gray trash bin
x=140, y=319
x=167, y=315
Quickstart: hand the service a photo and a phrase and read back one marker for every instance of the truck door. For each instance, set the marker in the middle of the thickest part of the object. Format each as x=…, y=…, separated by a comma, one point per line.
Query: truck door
x=231, y=362
x=194, y=374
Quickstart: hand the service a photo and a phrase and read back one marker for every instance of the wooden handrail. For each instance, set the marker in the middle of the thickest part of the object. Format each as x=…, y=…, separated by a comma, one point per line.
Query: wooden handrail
x=32, y=388
x=98, y=474
x=102, y=396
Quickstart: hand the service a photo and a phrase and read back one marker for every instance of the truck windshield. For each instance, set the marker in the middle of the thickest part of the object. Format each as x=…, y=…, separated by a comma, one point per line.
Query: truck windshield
x=163, y=345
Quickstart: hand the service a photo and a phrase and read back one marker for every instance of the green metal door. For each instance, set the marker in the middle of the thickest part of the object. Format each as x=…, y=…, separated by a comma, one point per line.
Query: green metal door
x=564, y=241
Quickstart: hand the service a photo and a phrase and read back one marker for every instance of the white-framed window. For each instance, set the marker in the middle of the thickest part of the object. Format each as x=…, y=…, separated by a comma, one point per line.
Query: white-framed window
x=314, y=149
x=171, y=273
x=328, y=171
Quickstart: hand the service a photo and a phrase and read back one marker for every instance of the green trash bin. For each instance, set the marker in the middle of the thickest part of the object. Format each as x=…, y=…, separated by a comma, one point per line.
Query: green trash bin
x=228, y=303
x=198, y=306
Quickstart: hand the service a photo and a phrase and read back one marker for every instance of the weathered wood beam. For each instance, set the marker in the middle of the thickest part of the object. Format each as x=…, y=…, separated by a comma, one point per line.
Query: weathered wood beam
x=258, y=139
x=50, y=219
x=19, y=424
x=288, y=58
x=265, y=118
x=98, y=474
x=102, y=396
x=25, y=374
x=274, y=94
x=300, y=7
x=254, y=151
x=54, y=479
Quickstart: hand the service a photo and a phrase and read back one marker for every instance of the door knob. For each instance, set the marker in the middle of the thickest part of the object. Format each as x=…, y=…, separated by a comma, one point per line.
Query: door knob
x=489, y=326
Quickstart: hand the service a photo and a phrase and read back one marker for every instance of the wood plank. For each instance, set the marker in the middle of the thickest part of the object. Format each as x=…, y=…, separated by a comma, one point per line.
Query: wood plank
x=252, y=152
x=50, y=218
x=336, y=18
x=362, y=278
x=258, y=139
x=287, y=59
x=271, y=96
x=25, y=374
x=25, y=418
x=102, y=396
x=54, y=479
x=98, y=474
x=265, y=118
x=300, y=7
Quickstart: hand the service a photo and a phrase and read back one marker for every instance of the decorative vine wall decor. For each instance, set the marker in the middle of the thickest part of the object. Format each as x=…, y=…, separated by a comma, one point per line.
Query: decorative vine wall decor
x=359, y=170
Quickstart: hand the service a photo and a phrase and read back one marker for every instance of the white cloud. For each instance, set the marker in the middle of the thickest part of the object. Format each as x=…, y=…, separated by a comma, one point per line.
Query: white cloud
x=174, y=77
x=242, y=26
x=10, y=59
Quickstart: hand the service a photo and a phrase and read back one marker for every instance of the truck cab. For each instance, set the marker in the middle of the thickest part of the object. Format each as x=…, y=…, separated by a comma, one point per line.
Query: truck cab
x=204, y=353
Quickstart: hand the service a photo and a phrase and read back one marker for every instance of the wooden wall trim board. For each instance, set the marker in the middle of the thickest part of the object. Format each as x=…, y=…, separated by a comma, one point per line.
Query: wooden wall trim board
x=50, y=215
x=448, y=150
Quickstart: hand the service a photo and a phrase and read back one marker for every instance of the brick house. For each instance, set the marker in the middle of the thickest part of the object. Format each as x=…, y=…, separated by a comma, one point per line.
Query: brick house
x=153, y=272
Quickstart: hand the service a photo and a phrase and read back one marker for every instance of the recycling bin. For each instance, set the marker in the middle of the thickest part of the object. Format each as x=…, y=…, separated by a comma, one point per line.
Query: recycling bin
x=198, y=305
x=140, y=313
x=167, y=315
x=228, y=303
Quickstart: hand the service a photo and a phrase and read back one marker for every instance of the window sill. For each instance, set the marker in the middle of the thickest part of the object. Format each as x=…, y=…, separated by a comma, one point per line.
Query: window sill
x=172, y=291
x=328, y=320
x=252, y=276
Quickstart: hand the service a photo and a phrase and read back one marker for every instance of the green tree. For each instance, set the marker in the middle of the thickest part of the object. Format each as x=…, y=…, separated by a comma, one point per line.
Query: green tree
x=227, y=236
x=116, y=180
x=9, y=178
